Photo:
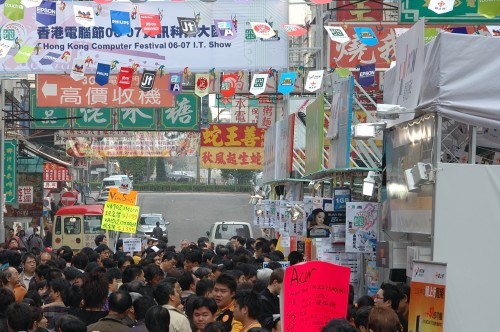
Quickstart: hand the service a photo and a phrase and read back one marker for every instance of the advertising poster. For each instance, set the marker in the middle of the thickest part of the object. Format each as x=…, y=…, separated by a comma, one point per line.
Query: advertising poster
x=120, y=217
x=428, y=289
x=361, y=227
x=309, y=299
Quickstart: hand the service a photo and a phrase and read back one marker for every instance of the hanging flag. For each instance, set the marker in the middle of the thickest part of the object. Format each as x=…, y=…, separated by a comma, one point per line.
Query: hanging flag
x=5, y=46
x=441, y=6
x=367, y=74
x=84, y=15
x=258, y=85
x=24, y=53
x=188, y=25
x=49, y=58
x=366, y=36
x=46, y=13
x=150, y=24
x=102, y=74
x=294, y=30
x=120, y=22
x=321, y=2
x=103, y=2
x=262, y=30
x=488, y=8
x=337, y=34
x=125, y=77
x=287, y=82
x=30, y=3
x=201, y=84
x=77, y=71
x=225, y=29
x=314, y=80
x=494, y=30
x=175, y=86
x=343, y=72
x=147, y=80
x=228, y=84
x=13, y=10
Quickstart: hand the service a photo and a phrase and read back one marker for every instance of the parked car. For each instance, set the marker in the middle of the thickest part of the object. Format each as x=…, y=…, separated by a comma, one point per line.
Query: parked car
x=173, y=177
x=221, y=231
x=147, y=222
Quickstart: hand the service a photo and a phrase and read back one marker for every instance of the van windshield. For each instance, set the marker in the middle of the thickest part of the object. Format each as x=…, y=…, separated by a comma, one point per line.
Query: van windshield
x=226, y=231
x=110, y=183
x=92, y=225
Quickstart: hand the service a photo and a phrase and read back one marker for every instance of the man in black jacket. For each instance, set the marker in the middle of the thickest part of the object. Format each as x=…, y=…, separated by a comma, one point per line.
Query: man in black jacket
x=270, y=300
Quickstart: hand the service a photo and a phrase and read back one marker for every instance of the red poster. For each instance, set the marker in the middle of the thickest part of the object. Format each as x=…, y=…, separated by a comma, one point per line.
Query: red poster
x=313, y=294
x=125, y=77
x=232, y=135
x=361, y=11
x=228, y=84
x=150, y=24
x=53, y=172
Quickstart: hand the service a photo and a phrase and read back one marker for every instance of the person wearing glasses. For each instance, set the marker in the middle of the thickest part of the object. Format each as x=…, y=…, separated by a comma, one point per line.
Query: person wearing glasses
x=389, y=296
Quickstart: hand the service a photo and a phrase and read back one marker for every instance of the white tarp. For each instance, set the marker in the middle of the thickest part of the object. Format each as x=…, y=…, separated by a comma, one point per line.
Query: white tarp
x=461, y=80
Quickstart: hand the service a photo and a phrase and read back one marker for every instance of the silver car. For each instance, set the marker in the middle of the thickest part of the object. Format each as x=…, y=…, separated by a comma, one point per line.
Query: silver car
x=147, y=222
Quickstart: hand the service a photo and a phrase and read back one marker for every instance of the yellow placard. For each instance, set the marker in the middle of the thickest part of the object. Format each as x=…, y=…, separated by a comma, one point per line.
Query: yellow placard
x=122, y=197
x=120, y=217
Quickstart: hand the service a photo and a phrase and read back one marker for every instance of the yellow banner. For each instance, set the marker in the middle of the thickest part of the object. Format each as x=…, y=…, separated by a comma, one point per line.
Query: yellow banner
x=120, y=217
x=122, y=197
x=231, y=158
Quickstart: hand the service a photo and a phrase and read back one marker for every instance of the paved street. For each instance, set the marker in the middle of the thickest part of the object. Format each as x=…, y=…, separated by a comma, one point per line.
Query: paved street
x=191, y=214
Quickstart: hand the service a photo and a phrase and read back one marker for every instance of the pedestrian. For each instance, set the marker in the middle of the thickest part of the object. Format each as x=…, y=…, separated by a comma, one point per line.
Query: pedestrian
x=157, y=231
x=35, y=241
x=47, y=239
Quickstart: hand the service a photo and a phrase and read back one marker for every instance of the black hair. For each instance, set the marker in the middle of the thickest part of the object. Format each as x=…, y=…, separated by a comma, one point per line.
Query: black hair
x=250, y=300
x=295, y=257
x=131, y=272
x=391, y=292
x=338, y=325
x=122, y=259
x=99, y=238
x=162, y=292
x=200, y=302
x=102, y=247
x=204, y=286
x=228, y=280
x=157, y=319
x=141, y=306
x=185, y=280
x=35, y=297
x=193, y=256
x=95, y=290
x=120, y=301
x=152, y=270
x=365, y=301
x=6, y=298
x=216, y=327
x=361, y=316
x=80, y=260
x=113, y=273
x=66, y=253
x=16, y=314
x=69, y=323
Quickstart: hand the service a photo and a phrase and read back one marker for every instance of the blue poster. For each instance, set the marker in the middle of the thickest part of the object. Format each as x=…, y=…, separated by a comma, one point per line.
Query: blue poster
x=49, y=58
x=367, y=74
x=340, y=197
x=46, y=13
x=287, y=82
x=120, y=22
x=366, y=36
x=102, y=73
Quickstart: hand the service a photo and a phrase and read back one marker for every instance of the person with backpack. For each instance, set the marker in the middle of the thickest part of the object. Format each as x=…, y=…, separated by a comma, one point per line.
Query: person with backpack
x=34, y=240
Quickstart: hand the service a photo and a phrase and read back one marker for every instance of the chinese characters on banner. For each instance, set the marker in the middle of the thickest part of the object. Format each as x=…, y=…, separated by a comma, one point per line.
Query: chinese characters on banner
x=232, y=146
x=9, y=164
x=25, y=194
x=308, y=295
x=428, y=289
x=32, y=205
x=53, y=172
x=62, y=91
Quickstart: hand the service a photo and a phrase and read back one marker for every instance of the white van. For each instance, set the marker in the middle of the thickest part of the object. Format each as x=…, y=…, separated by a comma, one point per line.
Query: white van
x=221, y=231
x=107, y=183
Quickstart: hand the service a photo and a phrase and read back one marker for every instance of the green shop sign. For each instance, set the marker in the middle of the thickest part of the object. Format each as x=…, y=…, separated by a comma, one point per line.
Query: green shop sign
x=9, y=164
x=136, y=119
x=184, y=116
x=93, y=118
x=48, y=117
x=465, y=11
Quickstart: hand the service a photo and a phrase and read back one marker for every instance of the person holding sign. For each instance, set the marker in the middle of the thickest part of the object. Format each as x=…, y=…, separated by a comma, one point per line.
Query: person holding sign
x=316, y=224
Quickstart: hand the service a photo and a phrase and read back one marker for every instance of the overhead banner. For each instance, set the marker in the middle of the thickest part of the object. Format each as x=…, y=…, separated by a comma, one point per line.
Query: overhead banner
x=117, y=35
x=57, y=91
x=411, y=11
x=232, y=146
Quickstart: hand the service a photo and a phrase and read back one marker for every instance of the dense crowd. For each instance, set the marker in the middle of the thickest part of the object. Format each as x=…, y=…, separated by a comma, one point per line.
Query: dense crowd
x=163, y=288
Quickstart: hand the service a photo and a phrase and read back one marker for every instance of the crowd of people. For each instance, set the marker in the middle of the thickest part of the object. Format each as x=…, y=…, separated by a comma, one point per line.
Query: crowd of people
x=164, y=288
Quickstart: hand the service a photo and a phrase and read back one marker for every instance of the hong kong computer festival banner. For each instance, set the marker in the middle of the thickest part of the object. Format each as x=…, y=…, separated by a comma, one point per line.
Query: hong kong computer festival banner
x=193, y=34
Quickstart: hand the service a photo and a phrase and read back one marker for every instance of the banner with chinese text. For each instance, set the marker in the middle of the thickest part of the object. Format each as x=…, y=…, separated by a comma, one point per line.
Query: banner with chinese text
x=10, y=172
x=53, y=172
x=29, y=190
x=232, y=146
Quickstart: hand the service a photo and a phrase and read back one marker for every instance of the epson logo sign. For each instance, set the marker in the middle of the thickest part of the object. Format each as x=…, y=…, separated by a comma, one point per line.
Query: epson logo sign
x=48, y=11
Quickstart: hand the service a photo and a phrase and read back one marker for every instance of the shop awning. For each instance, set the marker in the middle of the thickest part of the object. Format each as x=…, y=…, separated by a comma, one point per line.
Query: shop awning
x=30, y=148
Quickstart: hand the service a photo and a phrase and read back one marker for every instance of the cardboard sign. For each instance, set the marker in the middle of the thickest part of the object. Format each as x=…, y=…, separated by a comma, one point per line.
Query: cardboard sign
x=118, y=196
x=309, y=299
x=120, y=217
x=132, y=244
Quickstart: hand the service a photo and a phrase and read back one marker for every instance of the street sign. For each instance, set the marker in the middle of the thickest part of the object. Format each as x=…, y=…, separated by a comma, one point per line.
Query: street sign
x=68, y=198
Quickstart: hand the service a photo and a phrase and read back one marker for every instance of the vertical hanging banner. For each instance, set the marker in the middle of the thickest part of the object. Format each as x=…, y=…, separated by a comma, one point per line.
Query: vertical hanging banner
x=46, y=13
x=5, y=46
x=201, y=84
x=24, y=54
x=10, y=172
x=175, y=86
x=337, y=34
x=367, y=74
x=294, y=30
x=262, y=30
x=258, y=85
x=150, y=24
x=366, y=36
x=102, y=74
x=84, y=15
x=488, y=8
x=30, y=3
x=147, y=80
x=125, y=77
x=314, y=80
x=428, y=293
x=77, y=71
x=120, y=22
x=225, y=29
x=441, y=6
x=13, y=10
x=287, y=82
x=361, y=227
x=228, y=84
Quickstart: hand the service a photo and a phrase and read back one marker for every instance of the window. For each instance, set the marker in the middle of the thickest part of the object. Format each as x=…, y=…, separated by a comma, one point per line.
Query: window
x=92, y=225
x=57, y=229
x=226, y=231
x=72, y=225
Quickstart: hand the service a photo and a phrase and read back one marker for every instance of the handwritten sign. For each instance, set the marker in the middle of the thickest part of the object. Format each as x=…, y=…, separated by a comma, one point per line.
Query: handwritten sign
x=310, y=299
x=132, y=244
x=120, y=217
x=118, y=196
